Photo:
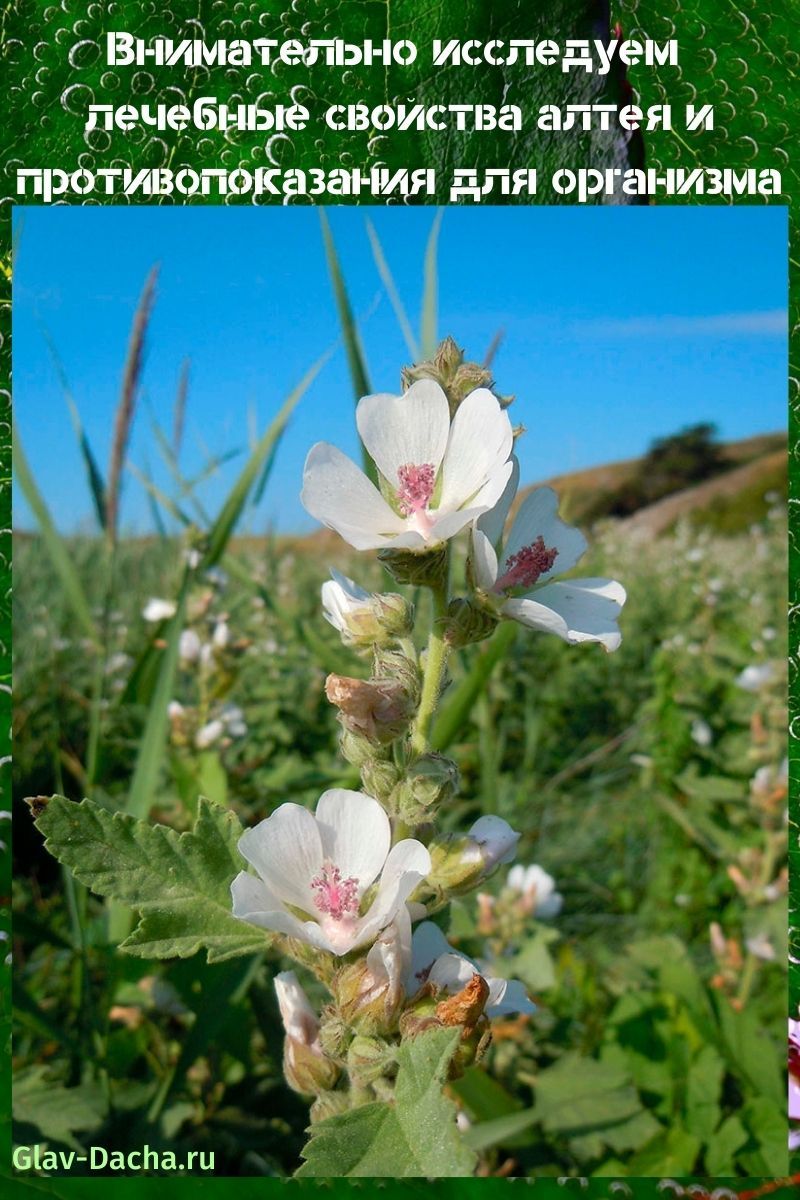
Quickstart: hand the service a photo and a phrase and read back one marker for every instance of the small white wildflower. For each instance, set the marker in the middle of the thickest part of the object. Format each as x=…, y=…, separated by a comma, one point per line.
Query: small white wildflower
x=761, y=947
x=701, y=732
x=756, y=676
x=537, y=888
x=189, y=646
x=232, y=717
x=159, y=610
x=221, y=636
x=208, y=734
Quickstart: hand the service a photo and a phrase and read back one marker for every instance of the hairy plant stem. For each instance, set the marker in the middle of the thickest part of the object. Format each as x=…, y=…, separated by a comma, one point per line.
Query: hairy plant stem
x=435, y=665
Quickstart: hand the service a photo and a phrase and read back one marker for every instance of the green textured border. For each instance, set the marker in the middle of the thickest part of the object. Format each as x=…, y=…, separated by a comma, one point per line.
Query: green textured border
x=761, y=106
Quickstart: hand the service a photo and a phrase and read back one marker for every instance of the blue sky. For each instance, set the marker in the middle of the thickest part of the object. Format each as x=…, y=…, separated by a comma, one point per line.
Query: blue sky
x=620, y=325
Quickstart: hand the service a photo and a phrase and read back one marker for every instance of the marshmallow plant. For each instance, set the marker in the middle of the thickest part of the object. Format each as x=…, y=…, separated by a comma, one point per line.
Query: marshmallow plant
x=343, y=888
x=384, y=1010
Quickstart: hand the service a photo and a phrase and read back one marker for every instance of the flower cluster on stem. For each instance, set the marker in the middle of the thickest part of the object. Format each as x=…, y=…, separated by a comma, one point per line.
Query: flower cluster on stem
x=342, y=888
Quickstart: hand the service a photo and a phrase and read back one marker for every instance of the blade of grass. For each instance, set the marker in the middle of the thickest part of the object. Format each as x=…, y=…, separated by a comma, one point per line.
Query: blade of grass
x=457, y=708
x=151, y=746
x=430, y=294
x=179, y=412
x=150, y=757
x=223, y=527
x=160, y=497
x=126, y=408
x=94, y=475
x=392, y=292
x=352, y=342
x=494, y=346
x=54, y=544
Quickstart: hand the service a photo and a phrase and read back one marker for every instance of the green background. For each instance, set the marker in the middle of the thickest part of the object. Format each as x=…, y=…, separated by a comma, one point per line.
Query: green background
x=741, y=56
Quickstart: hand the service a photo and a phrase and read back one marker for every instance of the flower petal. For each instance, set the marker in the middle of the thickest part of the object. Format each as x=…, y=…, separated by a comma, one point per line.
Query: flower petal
x=507, y=996
x=479, y=445
x=538, y=517
x=497, y=840
x=583, y=610
x=339, y=495
x=408, y=429
x=407, y=865
x=484, y=560
x=355, y=834
x=286, y=850
x=255, y=903
x=299, y=1019
x=452, y=971
x=427, y=944
x=493, y=522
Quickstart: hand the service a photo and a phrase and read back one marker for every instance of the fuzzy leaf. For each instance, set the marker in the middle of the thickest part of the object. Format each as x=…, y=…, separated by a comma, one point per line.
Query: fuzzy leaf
x=414, y=1136
x=179, y=883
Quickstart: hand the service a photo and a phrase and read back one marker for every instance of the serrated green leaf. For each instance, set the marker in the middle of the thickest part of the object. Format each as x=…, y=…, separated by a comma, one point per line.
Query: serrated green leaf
x=178, y=883
x=414, y=1136
x=55, y=1111
x=719, y=1154
x=577, y=1094
x=673, y=1153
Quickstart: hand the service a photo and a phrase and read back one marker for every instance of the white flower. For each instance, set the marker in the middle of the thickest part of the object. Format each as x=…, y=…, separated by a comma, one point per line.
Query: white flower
x=701, y=732
x=433, y=959
x=539, y=545
x=189, y=646
x=232, y=718
x=342, y=598
x=761, y=947
x=438, y=475
x=159, y=610
x=208, y=734
x=221, y=635
x=756, y=676
x=322, y=865
x=538, y=889
x=497, y=841
x=299, y=1019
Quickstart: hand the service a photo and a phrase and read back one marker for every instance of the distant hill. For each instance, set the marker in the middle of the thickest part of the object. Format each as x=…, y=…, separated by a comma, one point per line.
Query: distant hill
x=731, y=499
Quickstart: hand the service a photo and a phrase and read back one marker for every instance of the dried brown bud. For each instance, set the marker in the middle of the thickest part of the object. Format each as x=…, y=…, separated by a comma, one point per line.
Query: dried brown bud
x=378, y=709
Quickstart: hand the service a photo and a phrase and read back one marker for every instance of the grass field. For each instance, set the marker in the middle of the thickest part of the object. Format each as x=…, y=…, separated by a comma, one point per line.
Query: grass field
x=649, y=783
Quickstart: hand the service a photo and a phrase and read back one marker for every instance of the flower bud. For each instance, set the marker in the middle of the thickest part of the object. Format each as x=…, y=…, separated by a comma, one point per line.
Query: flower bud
x=447, y=367
x=378, y=709
x=430, y=781
x=497, y=840
x=307, y=1069
x=461, y=861
x=379, y=777
x=368, y=1059
x=369, y=993
x=363, y=619
x=467, y=622
x=334, y=1035
x=397, y=666
x=356, y=749
x=468, y=377
x=456, y=863
x=426, y=568
x=328, y=1104
x=466, y=1006
x=189, y=646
